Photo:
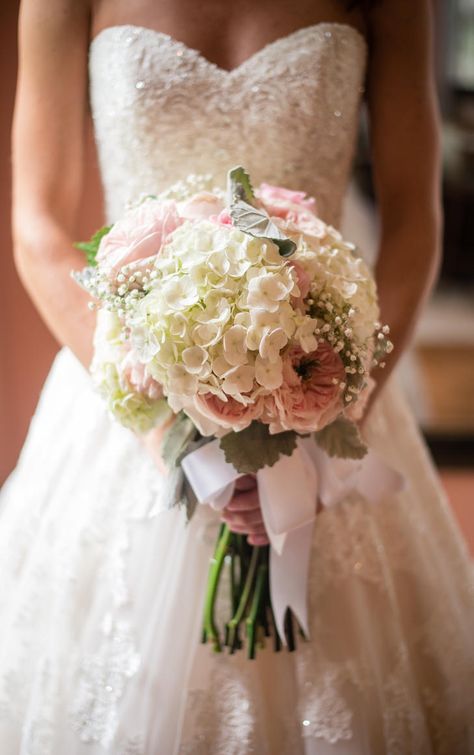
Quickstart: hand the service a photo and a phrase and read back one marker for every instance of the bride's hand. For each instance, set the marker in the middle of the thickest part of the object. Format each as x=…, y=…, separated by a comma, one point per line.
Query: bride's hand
x=243, y=514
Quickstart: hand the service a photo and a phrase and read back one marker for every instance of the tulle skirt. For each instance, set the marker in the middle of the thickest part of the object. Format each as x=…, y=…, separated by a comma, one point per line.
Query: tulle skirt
x=101, y=595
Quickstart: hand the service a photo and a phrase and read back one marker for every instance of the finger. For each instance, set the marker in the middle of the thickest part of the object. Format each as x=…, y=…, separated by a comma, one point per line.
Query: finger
x=246, y=530
x=247, y=482
x=258, y=540
x=247, y=501
x=248, y=518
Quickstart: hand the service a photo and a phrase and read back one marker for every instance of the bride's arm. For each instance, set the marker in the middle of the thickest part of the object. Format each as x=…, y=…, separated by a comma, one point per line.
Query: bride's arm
x=48, y=156
x=405, y=150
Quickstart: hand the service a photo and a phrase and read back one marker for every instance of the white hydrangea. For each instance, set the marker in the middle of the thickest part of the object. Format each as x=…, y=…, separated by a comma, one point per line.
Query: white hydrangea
x=218, y=315
x=132, y=408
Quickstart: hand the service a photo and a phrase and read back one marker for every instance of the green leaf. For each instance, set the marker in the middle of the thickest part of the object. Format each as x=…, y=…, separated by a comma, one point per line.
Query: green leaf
x=342, y=439
x=91, y=247
x=176, y=489
x=253, y=448
x=239, y=186
x=256, y=222
x=177, y=438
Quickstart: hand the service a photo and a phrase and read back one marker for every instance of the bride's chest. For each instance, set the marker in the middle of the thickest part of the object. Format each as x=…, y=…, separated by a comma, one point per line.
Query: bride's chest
x=161, y=110
x=317, y=69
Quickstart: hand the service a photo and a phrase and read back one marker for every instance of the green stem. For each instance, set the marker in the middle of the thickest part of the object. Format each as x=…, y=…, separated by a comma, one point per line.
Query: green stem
x=210, y=629
x=234, y=584
x=255, y=609
x=244, y=598
x=265, y=603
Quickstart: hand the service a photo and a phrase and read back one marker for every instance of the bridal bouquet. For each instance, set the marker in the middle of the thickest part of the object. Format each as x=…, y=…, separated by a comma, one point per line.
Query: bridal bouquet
x=250, y=327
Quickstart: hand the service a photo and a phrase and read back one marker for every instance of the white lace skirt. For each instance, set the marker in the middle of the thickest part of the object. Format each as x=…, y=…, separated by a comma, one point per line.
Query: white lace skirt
x=101, y=596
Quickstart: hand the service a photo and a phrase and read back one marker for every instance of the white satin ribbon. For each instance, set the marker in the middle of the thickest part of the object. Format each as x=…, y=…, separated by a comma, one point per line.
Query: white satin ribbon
x=288, y=494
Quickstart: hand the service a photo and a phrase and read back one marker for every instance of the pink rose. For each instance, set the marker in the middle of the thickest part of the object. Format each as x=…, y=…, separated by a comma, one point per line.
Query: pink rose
x=201, y=206
x=307, y=223
x=224, y=218
x=136, y=375
x=138, y=235
x=285, y=203
x=308, y=399
x=230, y=414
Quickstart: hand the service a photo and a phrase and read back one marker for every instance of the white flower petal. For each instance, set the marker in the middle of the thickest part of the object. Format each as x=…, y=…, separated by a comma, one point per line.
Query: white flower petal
x=269, y=374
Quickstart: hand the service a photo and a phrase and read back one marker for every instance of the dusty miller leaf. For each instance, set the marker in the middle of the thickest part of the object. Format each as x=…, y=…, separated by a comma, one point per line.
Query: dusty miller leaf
x=341, y=439
x=239, y=186
x=177, y=490
x=253, y=448
x=91, y=247
x=189, y=499
x=256, y=222
x=172, y=488
x=177, y=438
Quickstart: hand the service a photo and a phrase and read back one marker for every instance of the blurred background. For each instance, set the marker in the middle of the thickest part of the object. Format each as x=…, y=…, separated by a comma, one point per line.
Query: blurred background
x=438, y=371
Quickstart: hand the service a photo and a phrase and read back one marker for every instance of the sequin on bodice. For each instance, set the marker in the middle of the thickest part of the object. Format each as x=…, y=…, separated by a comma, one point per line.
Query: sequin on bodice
x=289, y=113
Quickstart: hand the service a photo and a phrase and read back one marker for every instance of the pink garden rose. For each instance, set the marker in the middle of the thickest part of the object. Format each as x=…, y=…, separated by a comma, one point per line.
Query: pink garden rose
x=138, y=235
x=230, y=414
x=307, y=223
x=138, y=378
x=224, y=218
x=308, y=398
x=202, y=206
x=285, y=203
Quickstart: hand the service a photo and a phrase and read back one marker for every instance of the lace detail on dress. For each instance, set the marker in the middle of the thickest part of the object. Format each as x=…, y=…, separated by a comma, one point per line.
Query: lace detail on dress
x=403, y=722
x=103, y=678
x=325, y=713
x=133, y=746
x=297, y=97
x=225, y=700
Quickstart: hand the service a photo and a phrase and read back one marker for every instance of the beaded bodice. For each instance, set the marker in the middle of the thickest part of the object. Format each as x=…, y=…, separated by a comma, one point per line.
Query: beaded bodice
x=288, y=113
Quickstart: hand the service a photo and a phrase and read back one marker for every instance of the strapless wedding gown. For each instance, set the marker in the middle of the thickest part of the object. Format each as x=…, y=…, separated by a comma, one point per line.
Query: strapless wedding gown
x=101, y=590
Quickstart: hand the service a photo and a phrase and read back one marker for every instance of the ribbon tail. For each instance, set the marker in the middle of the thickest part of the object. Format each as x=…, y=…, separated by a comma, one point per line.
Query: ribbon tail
x=377, y=479
x=371, y=477
x=289, y=578
x=288, y=496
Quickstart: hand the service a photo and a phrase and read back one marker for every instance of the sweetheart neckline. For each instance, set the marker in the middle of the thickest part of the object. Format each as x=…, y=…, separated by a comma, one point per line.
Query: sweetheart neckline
x=226, y=71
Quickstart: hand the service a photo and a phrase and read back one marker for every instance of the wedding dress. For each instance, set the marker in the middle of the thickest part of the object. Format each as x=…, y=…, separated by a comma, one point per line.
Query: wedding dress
x=101, y=590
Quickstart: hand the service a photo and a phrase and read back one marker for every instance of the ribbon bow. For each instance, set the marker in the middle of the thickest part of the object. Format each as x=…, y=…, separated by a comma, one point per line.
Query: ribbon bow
x=288, y=493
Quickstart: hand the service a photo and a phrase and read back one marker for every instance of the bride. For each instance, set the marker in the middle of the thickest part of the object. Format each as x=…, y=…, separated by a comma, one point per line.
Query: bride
x=100, y=589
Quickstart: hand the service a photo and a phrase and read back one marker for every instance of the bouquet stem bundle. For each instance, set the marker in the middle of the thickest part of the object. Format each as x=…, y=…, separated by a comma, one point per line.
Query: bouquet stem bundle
x=252, y=615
